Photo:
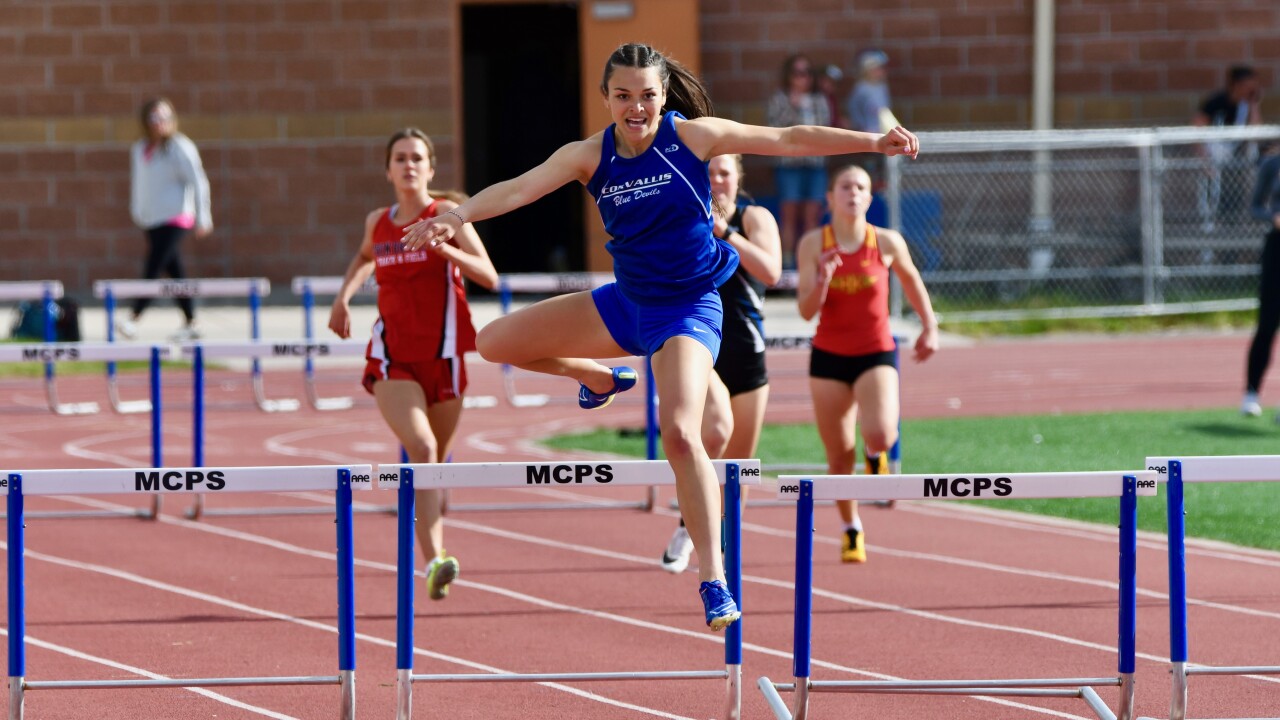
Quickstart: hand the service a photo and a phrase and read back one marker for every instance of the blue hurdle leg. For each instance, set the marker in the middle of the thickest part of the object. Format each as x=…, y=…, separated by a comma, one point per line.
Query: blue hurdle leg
x=803, y=633
x=1128, y=638
x=1177, y=590
x=404, y=595
x=17, y=599
x=346, y=597
x=733, y=574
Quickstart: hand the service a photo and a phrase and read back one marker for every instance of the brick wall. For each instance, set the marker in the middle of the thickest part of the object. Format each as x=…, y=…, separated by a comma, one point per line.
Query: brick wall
x=959, y=64
x=290, y=101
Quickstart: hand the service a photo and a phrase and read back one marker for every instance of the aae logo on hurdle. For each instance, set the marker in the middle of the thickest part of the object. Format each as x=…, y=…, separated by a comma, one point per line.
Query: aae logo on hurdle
x=966, y=486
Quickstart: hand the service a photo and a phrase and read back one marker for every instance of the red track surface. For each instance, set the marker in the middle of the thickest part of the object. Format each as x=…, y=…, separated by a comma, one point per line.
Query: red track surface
x=950, y=592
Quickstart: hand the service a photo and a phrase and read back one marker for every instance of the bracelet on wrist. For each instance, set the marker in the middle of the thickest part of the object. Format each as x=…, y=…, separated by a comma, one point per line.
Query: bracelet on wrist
x=454, y=213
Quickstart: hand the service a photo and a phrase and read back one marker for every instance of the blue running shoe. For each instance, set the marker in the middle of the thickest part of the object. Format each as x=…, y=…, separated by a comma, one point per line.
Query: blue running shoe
x=624, y=378
x=722, y=611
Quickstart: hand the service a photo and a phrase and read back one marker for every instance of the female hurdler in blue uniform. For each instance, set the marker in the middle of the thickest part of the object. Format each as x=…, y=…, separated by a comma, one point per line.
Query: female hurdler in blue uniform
x=648, y=175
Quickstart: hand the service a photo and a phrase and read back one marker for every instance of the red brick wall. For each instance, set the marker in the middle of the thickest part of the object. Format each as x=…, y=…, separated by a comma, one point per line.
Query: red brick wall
x=290, y=101
x=967, y=63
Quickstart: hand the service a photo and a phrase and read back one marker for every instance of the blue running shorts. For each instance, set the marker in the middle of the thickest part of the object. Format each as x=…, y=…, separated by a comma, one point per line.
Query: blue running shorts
x=642, y=330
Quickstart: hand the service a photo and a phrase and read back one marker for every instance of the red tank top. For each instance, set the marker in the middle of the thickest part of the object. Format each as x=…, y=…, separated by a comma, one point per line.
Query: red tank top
x=854, y=319
x=422, y=303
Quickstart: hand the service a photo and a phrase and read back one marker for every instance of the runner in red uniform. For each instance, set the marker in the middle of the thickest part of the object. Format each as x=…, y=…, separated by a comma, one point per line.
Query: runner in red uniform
x=415, y=365
x=843, y=273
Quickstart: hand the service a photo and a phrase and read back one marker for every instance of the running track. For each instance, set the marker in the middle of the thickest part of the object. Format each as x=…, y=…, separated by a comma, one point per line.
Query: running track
x=950, y=592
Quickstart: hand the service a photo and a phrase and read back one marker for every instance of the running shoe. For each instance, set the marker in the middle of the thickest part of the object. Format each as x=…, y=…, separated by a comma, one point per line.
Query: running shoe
x=676, y=557
x=853, y=548
x=624, y=378
x=127, y=329
x=721, y=610
x=188, y=333
x=879, y=465
x=1250, y=407
x=442, y=571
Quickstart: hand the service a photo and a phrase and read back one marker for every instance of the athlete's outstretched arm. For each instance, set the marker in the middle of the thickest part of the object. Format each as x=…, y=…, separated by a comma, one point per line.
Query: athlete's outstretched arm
x=711, y=136
x=575, y=161
x=468, y=253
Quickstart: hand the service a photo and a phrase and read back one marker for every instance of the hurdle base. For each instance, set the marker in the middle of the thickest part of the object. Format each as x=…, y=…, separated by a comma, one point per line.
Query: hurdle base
x=333, y=403
x=268, y=405
x=477, y=402
x=124, y=407
x=1080, y=688
x=80, y=408
x=523, y=401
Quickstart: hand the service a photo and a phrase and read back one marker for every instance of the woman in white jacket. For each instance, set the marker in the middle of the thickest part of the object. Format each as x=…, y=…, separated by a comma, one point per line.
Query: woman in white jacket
x=169, y=197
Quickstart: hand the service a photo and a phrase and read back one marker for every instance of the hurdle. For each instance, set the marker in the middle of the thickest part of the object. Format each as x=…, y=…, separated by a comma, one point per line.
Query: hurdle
x=197, y=352
x=47, y=292
x=109, y=291
x=50, y=353
x=408, y=478
x=308, y=287
x=1229, y=468
x=803, y=490
x=340, y=479
x=540, y=283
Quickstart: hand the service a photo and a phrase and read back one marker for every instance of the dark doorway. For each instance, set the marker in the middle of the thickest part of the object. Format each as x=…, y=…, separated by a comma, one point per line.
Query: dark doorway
x=521, y=101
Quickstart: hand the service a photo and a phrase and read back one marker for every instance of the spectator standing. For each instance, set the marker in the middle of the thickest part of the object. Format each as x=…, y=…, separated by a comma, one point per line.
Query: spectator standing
x=169, y=197
x=1227, y=163
x=867, y=105
x=800, y=181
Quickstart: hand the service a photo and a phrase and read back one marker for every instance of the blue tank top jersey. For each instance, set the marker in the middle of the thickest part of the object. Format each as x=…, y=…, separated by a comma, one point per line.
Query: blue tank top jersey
x=657, y=208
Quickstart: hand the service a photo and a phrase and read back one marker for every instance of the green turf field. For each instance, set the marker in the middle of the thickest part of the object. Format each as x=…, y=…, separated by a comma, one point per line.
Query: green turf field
x=1242, y=513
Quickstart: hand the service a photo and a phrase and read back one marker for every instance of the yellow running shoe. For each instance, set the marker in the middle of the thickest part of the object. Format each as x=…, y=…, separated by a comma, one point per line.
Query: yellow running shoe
x=442, y=571
x=878, y=465
x=853, y=549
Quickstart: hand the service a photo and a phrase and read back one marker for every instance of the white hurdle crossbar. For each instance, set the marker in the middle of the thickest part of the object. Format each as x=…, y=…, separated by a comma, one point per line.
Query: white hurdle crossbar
x=197, y=352
x=1199, y=469
x=69, y=352
x=308, y=287
x=252, y=288
x=443, y=476
x=804, y=490
x=47, y=292
x=340, y=479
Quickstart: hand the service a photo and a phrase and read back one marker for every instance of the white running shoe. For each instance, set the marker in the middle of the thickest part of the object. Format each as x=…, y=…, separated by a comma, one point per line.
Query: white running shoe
x=127, y=328
x=1250, y=407
x=186, y=334
x=676, y=557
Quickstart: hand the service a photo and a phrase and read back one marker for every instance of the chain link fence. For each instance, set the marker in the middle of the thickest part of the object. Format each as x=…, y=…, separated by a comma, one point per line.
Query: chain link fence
x=1029, y=224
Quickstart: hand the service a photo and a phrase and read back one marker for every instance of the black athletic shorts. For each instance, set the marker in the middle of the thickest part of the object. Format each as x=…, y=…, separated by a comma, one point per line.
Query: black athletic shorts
x=846, y=368
x=741, y=372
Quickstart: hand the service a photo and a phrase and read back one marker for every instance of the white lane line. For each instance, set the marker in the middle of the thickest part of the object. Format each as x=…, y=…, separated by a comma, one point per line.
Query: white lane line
x=564, y=607
x=96, y=659
x=312, y=624
x=1088, y=531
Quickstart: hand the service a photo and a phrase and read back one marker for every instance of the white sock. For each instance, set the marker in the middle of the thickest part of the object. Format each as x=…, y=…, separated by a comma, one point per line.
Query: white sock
x=855, y=525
